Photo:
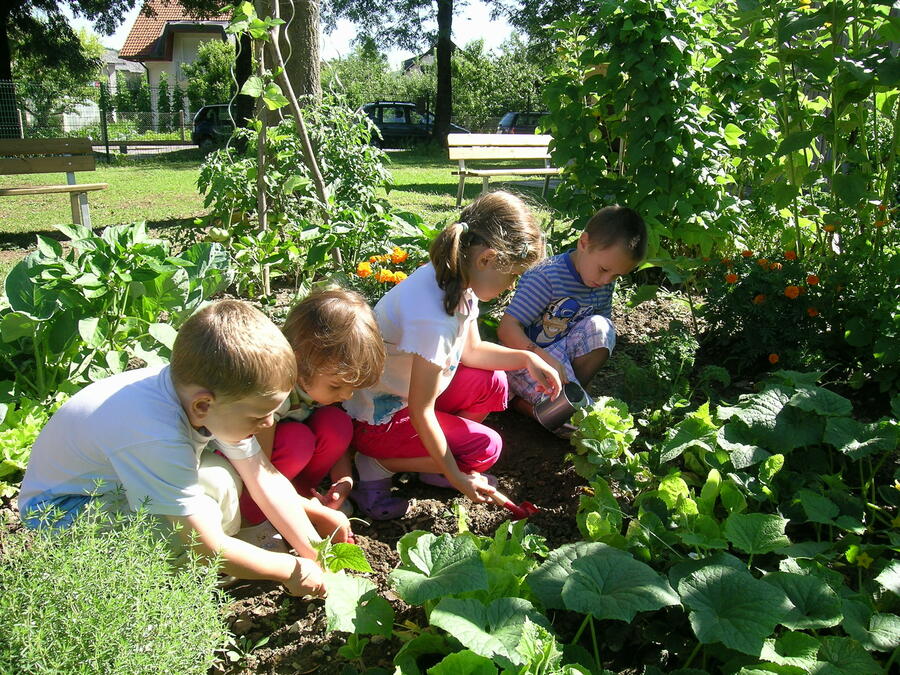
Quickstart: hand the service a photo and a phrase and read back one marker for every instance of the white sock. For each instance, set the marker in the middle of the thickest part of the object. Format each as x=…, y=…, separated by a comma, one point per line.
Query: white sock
x=370, y=468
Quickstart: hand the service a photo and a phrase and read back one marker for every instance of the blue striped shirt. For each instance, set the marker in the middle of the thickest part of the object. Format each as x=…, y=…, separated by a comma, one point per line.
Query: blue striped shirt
x=551, y=298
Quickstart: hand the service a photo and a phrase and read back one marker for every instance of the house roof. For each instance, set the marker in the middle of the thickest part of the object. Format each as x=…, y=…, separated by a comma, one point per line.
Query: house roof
x=150, y=37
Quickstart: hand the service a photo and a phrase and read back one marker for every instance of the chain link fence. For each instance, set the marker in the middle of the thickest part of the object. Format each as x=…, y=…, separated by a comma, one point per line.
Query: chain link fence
x=129, y=119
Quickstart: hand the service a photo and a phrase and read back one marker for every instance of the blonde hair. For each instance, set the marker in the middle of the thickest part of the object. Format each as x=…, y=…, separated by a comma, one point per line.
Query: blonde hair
x=232, y=349
x=497, y=220
x=334, y=332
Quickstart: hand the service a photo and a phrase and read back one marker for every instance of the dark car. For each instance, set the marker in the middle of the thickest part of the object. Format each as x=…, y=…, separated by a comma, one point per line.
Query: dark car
x=400, y=123
x=212, y=126
x=520, y=122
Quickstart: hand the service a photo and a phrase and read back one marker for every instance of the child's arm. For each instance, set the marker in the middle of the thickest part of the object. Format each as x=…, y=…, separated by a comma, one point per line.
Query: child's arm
x=341, y=483
x=266, y=439
x=300, y=576
x=489, y=356
x=512, y=334
x=423, y=391
x=296, y=518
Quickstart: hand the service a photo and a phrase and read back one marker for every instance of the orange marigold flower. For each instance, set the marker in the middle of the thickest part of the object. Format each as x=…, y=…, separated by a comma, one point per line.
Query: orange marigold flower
x=829, y=228
x=775, y=267
x=792, y=292
x=759, y=299
x=373, y=259
x=773, y=359
x=812, y=311
x=747, y=253
x=384, y=276
x=725, y=261
x=364, y=269
x=812, y=279
x=790, y=255
x=762, y=262
x=399, y=276
x=731, y=278
x=879, y=223
x=398, y=255
x=882, y=207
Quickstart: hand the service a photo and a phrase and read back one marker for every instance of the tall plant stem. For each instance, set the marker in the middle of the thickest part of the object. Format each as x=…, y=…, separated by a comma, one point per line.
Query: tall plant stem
x=261, y=206
x=690, y=660
x=786, y=129
x=597, y=658
x=581, y=629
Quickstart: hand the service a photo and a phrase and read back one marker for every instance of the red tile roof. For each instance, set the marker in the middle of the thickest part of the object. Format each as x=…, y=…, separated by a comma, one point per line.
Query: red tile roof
x=140, y=45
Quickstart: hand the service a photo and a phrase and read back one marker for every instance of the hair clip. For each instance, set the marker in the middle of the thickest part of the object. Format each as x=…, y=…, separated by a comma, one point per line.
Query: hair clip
x=464, y=226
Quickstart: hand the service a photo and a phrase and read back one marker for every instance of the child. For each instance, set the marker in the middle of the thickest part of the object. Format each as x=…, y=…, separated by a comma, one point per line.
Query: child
x=338, y=348
x=561, y=309
x=141, y=435
x=425, y=413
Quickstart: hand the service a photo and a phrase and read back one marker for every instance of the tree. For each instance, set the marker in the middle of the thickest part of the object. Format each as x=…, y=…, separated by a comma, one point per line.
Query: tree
x=299, y=38
x=209, y=78
x=533, y=17
x=403, y=23
x=47, y=92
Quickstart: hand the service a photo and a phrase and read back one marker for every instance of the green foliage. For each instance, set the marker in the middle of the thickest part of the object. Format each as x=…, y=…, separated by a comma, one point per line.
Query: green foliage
x=19, y=427
x=79, y=314
x=209, y=79
x=102, y=596
x=604, y=433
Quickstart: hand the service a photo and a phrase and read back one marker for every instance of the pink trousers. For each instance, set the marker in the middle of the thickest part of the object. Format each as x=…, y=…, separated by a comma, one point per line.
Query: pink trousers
x=473, y=392
x=304, y=452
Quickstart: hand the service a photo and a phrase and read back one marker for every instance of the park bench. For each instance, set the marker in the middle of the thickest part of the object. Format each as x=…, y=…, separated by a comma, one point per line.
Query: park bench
x=475, y=147
x=51, y=155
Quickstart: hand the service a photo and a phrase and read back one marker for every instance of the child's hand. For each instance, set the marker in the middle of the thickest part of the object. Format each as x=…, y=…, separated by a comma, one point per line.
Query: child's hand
x=329, y=522
x=545, y=375
x=474, y=486
x=306, y=579
x=554, y=363
x=336, y=494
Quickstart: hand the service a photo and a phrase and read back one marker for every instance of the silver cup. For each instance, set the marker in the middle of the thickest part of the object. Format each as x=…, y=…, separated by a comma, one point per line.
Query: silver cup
x=552, y=414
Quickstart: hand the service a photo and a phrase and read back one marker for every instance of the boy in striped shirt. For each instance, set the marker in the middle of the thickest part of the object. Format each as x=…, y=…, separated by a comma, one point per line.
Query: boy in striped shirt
x=562, y=307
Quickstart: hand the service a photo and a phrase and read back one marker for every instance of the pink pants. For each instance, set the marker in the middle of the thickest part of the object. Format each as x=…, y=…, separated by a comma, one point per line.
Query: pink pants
x=304, y=452
x=472, y=392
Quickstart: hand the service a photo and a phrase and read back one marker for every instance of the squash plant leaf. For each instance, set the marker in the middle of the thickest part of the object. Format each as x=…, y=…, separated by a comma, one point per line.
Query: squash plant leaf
x=792, y=649
x=547, y=581
x=611, y=586
x=874, y=631
x=465, y=662
x=847, y=657
x=756, y=533
x=493, y=631
x=818, y=508
x=771, y=669
x=815, y=604
x=889, y=577
x=406, y=660
x=347, y=557
x=441, y=566
x=737, y=440
x=730, y=606
x=821, y=401
x=354, y=606
x=856, y=440
x=697, y=429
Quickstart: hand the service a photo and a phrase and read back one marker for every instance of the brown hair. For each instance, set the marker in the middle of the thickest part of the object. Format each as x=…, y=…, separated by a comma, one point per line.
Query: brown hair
x=334, y=332
x=618, y=225
x=498, y=220
x=235, y=351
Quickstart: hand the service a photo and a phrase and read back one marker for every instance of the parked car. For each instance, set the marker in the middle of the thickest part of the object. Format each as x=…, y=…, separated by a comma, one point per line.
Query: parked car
x=400, y=123
x=520, y=122
x=212, y=126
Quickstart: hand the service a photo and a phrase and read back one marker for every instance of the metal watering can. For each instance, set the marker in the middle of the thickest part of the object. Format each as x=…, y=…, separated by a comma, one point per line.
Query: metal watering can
x=552, y=414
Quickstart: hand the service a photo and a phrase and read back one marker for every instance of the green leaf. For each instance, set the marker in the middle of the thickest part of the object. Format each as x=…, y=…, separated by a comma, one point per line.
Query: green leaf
x=798, y=140
x=611, y=586
x=17, y=325
x=442, y=565
x=873, y=631
x=815, y=604
x=732, y=498
x=730, y=606
x=348, y=557
x=736, y=439
x=88, y=330
x=548, y=580
x=792, y=649
x=253, y=87
x=642, y=293
x=756, y=533
x=818, y=508
x=422, y=645
x=847, y=656
x=354, y=606
x=273, y=98
x=856, y=440
x=850, y=188
x=164, y=333
x=889, y=577
x=697, y=429
x=822, y=402
x=465, y=662
x=493, y=630
x=116, y=361
x=49, y=248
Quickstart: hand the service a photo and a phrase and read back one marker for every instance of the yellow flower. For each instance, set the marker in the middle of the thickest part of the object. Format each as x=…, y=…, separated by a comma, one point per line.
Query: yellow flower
x=363, y=269
x=384, y=276
x=399, y=276
x=398, y=255
x=864, y=560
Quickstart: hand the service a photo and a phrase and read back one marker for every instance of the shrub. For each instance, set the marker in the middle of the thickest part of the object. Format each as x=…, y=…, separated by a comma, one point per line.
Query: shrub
x=95, y=599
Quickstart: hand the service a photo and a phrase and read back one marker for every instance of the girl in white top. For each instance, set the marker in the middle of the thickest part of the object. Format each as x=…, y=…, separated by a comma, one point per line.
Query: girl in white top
x=440, y=380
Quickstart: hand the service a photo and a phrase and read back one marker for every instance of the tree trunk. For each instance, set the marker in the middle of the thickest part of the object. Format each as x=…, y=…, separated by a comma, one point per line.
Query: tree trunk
x=299, y=42
x=443, y=99
x=9, y=119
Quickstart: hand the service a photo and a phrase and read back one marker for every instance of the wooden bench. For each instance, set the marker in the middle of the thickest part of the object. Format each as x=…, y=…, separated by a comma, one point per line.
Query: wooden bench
x=51, y=155
x=476, y=147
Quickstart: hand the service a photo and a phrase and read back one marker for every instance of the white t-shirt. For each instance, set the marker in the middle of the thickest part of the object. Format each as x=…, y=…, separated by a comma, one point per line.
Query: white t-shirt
x=131, y=432
x=412, y=320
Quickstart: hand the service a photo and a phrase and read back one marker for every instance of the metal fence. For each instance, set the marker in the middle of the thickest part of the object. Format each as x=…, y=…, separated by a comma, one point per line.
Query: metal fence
x=128, y=120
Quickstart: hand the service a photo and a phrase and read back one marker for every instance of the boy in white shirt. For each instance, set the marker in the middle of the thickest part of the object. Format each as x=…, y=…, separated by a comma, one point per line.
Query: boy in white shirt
x=144, y=434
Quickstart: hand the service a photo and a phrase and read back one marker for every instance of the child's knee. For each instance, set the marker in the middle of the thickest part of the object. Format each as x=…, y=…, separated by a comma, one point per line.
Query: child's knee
x=598, y=333
x=333, y=423
x=482, y=451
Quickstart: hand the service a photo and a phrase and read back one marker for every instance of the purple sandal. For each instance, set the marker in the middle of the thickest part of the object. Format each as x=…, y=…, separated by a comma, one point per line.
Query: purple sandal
x=373, y=497
x=439, y=480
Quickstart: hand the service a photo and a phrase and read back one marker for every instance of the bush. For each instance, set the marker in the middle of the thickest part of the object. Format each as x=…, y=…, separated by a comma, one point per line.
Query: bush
x=95, y=599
